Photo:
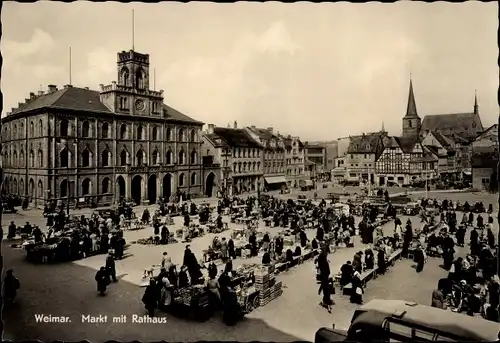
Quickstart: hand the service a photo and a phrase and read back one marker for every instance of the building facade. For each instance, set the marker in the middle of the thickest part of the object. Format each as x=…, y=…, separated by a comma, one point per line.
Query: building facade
x=362, y=154
x=294, y=161
x=485, y=150
x=444, y=150
x=404, y=159
x=273, y=156
x=239, y=156
x=122, y=142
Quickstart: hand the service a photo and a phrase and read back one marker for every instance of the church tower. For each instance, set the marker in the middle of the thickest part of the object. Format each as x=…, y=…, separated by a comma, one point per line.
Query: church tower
x=131, y=93
x=411, y=121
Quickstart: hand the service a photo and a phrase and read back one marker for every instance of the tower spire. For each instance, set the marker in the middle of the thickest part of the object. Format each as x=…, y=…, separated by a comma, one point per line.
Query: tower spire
x=476, y=106
x=383, y=127
x=411, y=110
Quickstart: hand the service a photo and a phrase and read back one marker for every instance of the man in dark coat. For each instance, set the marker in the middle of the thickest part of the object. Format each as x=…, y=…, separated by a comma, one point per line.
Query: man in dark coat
x=110, y=267
x=419, y=258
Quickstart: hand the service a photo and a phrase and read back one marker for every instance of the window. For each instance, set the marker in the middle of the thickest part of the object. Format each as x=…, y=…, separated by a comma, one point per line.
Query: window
x=169, y=157
x=86, y=129
x=40, y=158
x=473, y=125
x=32, y=129
x=193, y=179
x=32, y=159
x=140, y=158
x=14, y=133
x=21, y=132
x=106, y=185
x=124, y=76
x=64, y=158
x=21, y=157
x=235, y=167
x=40, y=128
x=399, y=331
x=155, y=133
x=422, y=336
x=169, y=134
x=86, y=158
x=124, y=103
x=140, y=133
x=123, y=131
x=123, y=158
x=64, y=128
x=139, y=79
x=86, y=186
x=193, y=136
x=193, y=157
x=409, y=124
x=105, y=158
x=181, y=157
x=105, y=130
x=181, y=135
x=155, y=158
x=181, y=180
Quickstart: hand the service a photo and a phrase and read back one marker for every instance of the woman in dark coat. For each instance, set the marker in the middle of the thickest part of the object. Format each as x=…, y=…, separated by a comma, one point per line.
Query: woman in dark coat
x=320, y=234
x=11, y=285
x=231, y=308
x=419, y=258
x=369, y=259
x=183, y=278
x=103, y=280
x=253, y=244
x=212, y=270
x=303, y=239
x=346, y=272
x=230, y=249
x=150, y=298
x=357, y=290
x=381, y=265
x=172, y=276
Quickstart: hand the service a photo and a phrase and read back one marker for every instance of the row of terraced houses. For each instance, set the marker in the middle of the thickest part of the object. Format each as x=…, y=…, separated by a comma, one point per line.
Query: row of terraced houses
x=124, y=142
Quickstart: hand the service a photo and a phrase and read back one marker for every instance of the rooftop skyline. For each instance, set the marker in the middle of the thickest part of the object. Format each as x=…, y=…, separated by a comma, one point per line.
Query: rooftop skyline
x=318, y=71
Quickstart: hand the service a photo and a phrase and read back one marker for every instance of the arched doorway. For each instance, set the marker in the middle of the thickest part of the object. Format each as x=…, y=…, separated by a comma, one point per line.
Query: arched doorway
x=120, y=182
x=209, y=185
x=152, y=195
x=167, y=186
x=137, y=189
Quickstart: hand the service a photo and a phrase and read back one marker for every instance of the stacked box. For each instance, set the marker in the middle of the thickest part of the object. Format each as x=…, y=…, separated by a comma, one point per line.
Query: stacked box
x=276, y=290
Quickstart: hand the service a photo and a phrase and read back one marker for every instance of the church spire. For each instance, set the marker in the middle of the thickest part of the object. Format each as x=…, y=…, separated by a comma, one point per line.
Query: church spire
x=476, y=106
x=411, y=110
x=383, y=127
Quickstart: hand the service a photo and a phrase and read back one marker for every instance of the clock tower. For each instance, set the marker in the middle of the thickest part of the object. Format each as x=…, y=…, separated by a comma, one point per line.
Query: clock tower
x=131, y=94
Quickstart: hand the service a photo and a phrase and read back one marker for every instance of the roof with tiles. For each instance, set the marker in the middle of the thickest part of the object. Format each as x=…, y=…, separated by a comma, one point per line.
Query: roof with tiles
x=463, y=124
x=407, y=143
x=365, y=144
x=236, y=137
x=85, y=100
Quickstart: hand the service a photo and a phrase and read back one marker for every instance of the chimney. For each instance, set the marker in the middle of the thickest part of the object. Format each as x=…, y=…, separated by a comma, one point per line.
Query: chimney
x=26, y=101
x=253, y=127
x=210, y=128
x=235, y=125
x=32, y=95
x=52, y=89
x=19, y=104
x=86, y=88
x=68, y=86
x=270, y=129
x=40, y=93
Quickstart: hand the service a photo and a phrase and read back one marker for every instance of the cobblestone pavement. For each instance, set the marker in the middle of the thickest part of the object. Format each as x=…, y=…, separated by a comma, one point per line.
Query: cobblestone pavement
x=69, y=290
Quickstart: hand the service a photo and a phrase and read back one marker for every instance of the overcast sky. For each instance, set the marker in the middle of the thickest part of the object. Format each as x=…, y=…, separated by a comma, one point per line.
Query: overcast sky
x=321, y=71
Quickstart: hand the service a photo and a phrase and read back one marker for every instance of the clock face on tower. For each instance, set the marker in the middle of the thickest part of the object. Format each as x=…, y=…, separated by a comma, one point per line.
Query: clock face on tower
x=140, y=105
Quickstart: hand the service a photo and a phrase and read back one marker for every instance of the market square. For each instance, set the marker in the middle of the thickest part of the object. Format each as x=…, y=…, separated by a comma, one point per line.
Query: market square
x=199, y=172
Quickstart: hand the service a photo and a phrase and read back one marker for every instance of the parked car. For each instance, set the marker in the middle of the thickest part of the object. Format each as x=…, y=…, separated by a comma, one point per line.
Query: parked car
x=401, y=321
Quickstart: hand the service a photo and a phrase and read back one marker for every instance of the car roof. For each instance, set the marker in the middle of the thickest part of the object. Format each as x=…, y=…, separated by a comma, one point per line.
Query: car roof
x=468, y=327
